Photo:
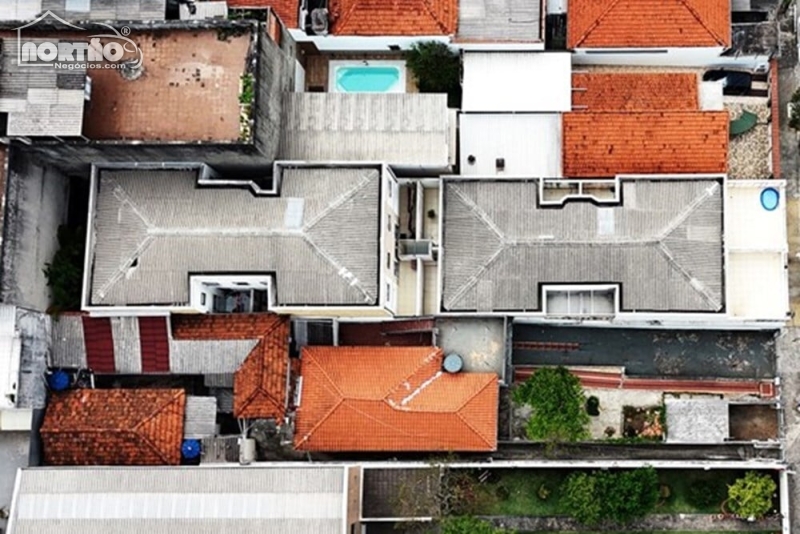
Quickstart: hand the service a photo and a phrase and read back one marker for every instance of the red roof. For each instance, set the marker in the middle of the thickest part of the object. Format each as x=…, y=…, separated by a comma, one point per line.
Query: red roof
x=625, y=91
x=606, y=144
x=287, y=10
x=648, y=23
x=114, y=427
x=394, y=17
x=392, y=399
x=259, y=389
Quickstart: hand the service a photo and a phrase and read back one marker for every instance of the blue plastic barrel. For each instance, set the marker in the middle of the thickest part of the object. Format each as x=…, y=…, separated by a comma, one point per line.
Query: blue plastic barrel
x=190, y=449
x=58, y=380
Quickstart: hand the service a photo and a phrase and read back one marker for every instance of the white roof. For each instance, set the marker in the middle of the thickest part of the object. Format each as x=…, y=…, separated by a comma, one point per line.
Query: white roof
x=530, y=144
x=756, y=241
x=517, y=81
x=178, y=500
x=9, y=356
x=697, y=420
x=20, y=9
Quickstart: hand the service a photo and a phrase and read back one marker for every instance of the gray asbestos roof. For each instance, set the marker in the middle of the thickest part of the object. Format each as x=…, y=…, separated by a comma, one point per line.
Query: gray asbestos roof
x=180, y=500
x=663, y=245
x=154, y=227
x=40, y=101
x=400, y=129
x=107, y=9
x=499, y=20
x=697, y=420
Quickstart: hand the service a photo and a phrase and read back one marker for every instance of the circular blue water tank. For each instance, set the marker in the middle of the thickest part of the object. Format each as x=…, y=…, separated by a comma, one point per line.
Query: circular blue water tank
x=58, y=380
x=190, y=449
x=770, y=198
x=453, y=363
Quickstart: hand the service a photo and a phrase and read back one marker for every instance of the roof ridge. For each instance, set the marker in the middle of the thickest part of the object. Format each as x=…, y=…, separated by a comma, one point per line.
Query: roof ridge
x=489, y=442
x=341, y=199
x=702, y=22
x=424, y=362
x=138, y=429
x=434, y=16
x=596, y=23
x=322, y=420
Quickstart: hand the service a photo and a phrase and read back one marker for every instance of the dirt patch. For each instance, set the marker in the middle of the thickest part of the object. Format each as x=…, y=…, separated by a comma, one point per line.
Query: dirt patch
x=643, y=422
x=753, y=422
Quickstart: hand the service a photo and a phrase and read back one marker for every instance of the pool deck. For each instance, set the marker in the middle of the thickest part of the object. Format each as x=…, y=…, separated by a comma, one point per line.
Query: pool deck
x=317, y=69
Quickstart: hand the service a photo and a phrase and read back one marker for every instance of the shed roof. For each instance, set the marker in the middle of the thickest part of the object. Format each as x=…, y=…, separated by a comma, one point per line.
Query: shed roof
x=395, y=17
x=604, y=144
x=516, y=81
x=114, y=427
x=154, y=227
x=663, y=245
x=172, y=500
x=627, y=91
x=648, y=23
x=393, y=399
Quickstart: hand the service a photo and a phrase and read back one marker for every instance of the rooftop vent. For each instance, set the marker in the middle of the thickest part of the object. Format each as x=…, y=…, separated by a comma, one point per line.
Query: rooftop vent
x=500, y=164
x=131, y=70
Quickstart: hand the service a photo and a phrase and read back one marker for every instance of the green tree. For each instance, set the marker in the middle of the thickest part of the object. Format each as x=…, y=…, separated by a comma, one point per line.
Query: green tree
x=606, y=497
x=556, y=398
x=469, y=525
x=751, y=495
x=437, y=70
x=65, y=273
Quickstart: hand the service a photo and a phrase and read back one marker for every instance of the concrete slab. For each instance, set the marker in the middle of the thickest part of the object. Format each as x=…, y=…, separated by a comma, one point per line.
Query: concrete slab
x=480, y=342
x=13, y=455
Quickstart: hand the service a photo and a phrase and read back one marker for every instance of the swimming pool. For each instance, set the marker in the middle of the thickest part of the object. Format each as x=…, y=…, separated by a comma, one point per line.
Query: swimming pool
x=367, y=76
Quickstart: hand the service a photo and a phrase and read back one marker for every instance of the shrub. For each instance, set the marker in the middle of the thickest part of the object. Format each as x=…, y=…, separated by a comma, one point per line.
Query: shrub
x=437, y=70
x=610, y=497
x=556, y=398
x=469, y=525
x=704, y=494
x=593, y=406
x=65, y=273
x=751, y=495
x=794, y=111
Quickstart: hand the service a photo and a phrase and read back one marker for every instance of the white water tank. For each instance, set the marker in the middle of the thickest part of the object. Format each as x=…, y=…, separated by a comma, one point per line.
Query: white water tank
x=247, y=451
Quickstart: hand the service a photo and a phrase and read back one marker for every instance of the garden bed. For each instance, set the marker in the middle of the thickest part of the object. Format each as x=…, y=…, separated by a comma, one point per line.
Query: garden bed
x=643, y=422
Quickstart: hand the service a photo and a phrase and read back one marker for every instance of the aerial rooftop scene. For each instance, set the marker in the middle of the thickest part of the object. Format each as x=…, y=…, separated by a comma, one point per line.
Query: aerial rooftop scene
x=420, y=267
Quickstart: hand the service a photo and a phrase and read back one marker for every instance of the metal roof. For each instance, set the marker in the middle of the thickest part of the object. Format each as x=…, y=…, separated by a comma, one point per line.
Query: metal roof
x=154, y=227
x=107, y=9
x=662, y=243
x=399, y=129
x=20, y=9
x=517, y=81
x=499, y=20
x=207, y=500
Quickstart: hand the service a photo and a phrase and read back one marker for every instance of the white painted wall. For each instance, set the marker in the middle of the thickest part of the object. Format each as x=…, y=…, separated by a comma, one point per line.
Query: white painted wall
x=668, y=57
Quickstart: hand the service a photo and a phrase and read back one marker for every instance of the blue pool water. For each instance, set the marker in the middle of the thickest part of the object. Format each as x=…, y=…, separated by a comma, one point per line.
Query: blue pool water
x=770, y=198
x=367, y=79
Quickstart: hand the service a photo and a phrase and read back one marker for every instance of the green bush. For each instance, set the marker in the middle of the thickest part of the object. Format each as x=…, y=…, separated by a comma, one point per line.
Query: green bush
x=557, y=402
x=704, y=494
x=469, y=525
x=751, y=496
x=437, y=70
x=65, y=273
x=606, y=497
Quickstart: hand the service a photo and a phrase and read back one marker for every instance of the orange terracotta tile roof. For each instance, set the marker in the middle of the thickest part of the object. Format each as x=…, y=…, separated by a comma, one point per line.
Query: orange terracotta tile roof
x=259, y=389
x=634, y=91
x=392, y=399
x=114, y=427
x=394, y=17
x=287, y=10
x=648, y=23
x=606, y=144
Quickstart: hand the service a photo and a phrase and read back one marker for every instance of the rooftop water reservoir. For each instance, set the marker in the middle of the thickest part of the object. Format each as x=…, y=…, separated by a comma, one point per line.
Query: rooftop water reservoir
x=453, y=363
x=770, y=198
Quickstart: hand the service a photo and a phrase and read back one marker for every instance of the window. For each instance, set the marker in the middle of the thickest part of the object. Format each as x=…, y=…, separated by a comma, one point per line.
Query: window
x=202, y=299
x=584, y=302
x=388, y=293
x=389, y=260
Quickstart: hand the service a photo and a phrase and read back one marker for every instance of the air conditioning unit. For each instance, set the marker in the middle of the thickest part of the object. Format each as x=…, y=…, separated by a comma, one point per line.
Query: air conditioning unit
x=420, y=249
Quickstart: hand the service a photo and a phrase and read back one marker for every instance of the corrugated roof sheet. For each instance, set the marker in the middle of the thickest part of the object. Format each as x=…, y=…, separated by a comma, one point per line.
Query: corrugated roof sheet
x=67, y=348
x=114, y=427
x=207, y=500
x=665, y=247
x=392, y=399
x=400, y=129
x=107, y=9
x=601, y=144
x=200, y=420
x=499, y=20
x=648, y=23
x=154, y=227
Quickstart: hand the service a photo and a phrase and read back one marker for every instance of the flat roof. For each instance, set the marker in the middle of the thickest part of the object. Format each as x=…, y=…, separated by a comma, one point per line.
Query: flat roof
x=697, y=420
x=499, y=20
x=258, y=500
x=106, y=9
x=152, y=228
x=528, y=143
x=517, y=81
x=189, y=90
x=660, y=240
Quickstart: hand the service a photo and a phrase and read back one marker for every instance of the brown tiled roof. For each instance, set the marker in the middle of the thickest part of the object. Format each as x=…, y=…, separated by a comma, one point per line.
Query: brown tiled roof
x=648, y=23
x=394, y=17
x=392, y=399
x=625, y=91
x=606, y=144
x=260, y=382
x=285, y=9
x=114, y=427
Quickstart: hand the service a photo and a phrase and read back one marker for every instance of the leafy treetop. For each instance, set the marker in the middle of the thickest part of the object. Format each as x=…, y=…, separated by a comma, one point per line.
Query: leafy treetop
x=556, y=398
x=751, y=495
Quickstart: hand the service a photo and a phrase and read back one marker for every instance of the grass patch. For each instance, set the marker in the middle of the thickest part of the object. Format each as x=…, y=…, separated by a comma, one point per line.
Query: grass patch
x=670, y=532
x=680, y=483
x=522, y=492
